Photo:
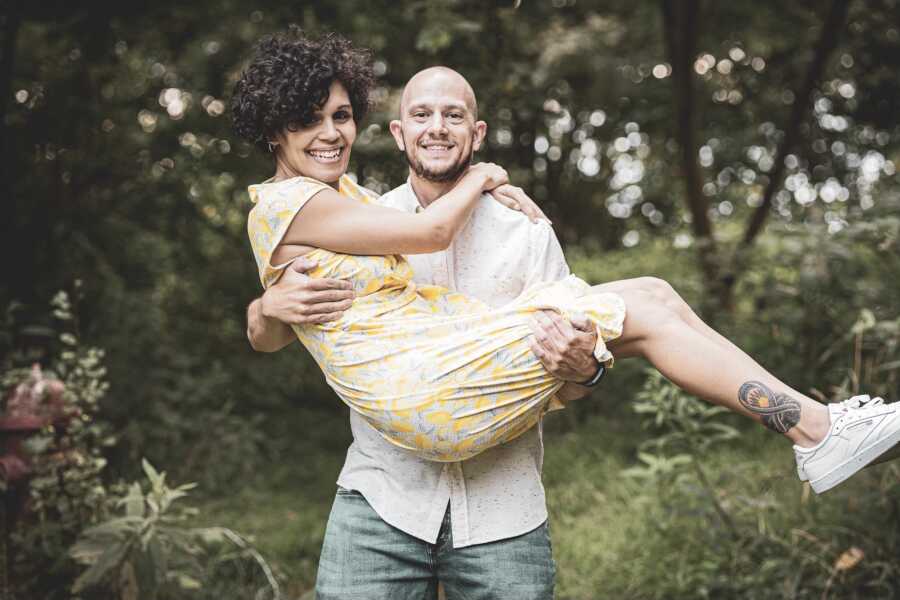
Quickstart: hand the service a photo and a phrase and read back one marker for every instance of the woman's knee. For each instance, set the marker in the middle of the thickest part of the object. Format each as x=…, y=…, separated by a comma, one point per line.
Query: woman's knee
x=663, y=292
x=659, y=288
x=645, y=314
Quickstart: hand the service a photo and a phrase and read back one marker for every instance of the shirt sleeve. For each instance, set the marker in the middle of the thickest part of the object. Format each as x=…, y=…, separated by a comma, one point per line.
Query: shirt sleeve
x=546, y=259
x=269, y=220
x=547, y=263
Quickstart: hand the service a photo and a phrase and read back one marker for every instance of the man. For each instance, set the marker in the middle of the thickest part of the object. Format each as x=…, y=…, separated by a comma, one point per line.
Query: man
x=401, y=524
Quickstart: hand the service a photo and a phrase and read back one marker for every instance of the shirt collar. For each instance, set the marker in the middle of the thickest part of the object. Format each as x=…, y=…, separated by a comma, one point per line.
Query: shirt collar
x=409, y=199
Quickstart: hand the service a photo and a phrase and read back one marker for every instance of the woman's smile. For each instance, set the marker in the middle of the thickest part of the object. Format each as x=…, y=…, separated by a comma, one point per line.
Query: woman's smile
x=319, y=149
x=326, y=156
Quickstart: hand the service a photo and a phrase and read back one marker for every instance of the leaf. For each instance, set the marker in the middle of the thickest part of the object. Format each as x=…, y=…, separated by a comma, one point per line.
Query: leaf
x=109, y=530
x=146, y=572
x=134, y=501
x=865, y=322
x=147, y=536
x=849, y=559
x=87, y=551
x=648, y=459
x=211, y=535
x=156, y=479
x=108, y=561
x=187, y=582
x=158, y=559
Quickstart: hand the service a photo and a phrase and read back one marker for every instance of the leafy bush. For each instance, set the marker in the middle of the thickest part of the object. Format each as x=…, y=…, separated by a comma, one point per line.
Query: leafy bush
x=151, y=552
x=66, y=492
x=759, y=543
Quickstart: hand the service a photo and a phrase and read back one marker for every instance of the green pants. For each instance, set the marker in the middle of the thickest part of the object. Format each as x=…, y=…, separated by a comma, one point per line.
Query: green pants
x=364, y=558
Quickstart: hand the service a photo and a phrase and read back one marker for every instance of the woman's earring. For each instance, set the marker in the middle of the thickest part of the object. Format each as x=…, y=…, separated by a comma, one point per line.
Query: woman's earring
x=271, y=146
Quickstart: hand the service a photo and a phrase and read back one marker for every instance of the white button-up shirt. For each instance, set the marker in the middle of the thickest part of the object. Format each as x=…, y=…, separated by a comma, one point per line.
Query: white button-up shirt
x=497, y=494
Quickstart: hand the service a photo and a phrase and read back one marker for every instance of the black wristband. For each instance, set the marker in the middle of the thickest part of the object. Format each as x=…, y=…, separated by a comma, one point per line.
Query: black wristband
x=601, y=371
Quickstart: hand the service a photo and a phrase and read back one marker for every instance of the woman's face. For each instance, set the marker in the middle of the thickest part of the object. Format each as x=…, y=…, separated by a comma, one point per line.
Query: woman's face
x=320, y=149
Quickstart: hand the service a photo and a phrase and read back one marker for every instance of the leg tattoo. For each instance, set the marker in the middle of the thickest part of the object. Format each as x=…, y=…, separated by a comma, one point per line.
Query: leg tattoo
x=779, y=412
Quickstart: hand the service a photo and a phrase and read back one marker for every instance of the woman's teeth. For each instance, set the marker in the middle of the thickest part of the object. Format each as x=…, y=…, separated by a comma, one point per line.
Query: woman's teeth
x=325, y=155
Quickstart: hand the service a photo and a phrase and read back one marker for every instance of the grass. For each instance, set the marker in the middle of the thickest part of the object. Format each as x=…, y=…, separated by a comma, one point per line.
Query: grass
x=615, y=536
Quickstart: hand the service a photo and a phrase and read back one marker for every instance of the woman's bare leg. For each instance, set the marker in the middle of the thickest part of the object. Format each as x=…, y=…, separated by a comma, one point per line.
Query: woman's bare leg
x=697, y=360
x=663, y=292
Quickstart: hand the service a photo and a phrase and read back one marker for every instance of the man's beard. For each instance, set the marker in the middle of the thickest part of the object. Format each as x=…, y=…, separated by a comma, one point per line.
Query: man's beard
x=451, y=173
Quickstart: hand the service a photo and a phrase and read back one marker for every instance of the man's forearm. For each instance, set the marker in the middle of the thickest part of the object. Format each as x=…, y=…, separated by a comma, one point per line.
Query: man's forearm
x=265, y=333
x=572, y=391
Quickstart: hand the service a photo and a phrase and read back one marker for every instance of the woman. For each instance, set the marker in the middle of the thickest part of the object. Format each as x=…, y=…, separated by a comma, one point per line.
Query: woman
x=442, y=374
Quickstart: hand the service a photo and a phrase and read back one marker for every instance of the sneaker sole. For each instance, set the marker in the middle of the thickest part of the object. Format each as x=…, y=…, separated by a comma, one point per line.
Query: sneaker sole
x=850, y=467
x=890, y=455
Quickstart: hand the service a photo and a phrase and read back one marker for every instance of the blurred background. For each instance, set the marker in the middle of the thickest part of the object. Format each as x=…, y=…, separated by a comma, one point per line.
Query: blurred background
x=745, y=151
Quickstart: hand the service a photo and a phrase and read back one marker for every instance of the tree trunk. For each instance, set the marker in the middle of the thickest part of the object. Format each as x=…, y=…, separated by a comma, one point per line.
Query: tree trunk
x=680, y=19
x=826, y=44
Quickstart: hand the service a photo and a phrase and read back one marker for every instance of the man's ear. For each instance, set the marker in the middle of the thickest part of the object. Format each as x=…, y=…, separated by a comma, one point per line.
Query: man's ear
x=480, y=132
x=397, y=131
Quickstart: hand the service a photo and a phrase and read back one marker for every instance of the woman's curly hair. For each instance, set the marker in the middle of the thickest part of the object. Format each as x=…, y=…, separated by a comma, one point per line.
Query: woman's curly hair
x=289, y=78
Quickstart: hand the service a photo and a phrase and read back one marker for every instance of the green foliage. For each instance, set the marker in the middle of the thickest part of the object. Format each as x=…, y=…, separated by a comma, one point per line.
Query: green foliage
x=120, y=169
x=739, y=543
x=66, y=492
x=151, y=552
x=820, y=306
x=126, y=173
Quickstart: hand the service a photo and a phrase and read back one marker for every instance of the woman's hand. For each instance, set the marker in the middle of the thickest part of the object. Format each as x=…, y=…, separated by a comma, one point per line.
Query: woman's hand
x=489, y=175
x=515, y=198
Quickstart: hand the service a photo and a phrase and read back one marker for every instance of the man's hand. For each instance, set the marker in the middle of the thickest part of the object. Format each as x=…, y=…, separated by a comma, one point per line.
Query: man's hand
x=515, y=198
x=295, y=299
x=298, y=298
x=566, y=349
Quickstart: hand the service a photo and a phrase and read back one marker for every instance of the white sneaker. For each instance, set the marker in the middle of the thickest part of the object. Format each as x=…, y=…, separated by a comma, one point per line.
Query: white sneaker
x=835, y=410
x=860, y=432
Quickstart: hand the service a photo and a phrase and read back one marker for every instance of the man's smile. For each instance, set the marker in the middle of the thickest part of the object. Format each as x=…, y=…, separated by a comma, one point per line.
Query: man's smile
x=437, y=148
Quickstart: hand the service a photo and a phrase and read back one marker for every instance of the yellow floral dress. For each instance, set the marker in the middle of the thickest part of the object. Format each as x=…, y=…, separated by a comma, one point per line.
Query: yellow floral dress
x=434, y=371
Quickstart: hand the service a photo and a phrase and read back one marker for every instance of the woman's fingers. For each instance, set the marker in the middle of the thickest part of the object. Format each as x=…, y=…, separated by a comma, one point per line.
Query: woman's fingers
x=524, y=203
x=505, y=200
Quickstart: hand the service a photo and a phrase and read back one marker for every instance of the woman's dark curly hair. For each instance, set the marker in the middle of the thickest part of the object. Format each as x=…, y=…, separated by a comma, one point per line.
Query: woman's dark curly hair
x=289, y=78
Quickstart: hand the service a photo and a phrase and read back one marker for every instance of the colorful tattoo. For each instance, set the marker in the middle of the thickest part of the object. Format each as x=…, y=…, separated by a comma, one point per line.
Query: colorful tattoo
x=779, y=412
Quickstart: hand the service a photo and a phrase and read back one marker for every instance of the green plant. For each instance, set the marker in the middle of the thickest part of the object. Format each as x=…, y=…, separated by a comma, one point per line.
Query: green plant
x=66, y=491
x=151, y=552
x=773, y=542
x=686, y=430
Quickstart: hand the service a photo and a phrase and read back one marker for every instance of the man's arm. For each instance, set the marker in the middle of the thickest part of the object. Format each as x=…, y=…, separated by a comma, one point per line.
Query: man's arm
x=566, y=349
x=265, y=333
x=295, y=299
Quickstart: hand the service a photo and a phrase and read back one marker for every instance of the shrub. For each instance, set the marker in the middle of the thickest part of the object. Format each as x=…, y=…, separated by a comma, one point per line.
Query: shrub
x=152, y=552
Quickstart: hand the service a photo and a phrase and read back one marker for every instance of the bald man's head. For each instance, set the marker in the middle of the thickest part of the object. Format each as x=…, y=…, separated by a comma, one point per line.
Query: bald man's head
x=443, y=81
x=438, y=127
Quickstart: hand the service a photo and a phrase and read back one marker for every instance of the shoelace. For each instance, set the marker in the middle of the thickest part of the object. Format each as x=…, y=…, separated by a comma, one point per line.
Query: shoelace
x=861, y=401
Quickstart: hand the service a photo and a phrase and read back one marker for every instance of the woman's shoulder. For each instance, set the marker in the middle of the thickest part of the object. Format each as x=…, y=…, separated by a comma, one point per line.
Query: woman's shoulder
x=285, y=190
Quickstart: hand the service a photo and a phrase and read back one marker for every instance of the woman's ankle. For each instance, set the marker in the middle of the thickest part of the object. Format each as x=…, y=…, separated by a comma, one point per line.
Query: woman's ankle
x=815, y=422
